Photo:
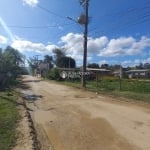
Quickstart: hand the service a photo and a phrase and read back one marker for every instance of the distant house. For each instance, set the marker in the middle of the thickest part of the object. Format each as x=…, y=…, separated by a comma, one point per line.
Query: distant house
x=99, y=71
x=140, y=73
x=41, y=69
x=118, y=72
x=91, y=73
x=43, y=66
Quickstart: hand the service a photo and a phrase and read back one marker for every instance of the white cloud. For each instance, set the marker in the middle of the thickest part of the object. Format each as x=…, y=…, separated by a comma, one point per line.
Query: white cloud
x=135, y=62
x=102, y=46
x=24, y=45
x=74, y=45
x=31, y=3
x=125, y=46
x=95, y=45
x=3, y=40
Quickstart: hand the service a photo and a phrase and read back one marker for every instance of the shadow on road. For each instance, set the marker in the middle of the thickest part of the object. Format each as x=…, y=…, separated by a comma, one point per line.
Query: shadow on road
x=23, y=83
x=35, y=80
x=23, y=86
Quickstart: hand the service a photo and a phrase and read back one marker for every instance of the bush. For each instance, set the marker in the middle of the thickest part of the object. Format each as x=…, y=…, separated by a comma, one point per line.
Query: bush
x=53, y=74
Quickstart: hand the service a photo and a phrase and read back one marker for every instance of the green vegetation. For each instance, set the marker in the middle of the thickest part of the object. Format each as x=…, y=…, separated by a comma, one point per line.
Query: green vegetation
x=60, y=60
x=133, y=89
x=8, y=119
x=63, y=61
x=10, y=62
x=112, y=84
x=53, y=74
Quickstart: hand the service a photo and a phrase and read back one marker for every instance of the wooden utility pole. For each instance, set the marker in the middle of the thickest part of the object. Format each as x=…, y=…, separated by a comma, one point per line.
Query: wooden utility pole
x=85, y=4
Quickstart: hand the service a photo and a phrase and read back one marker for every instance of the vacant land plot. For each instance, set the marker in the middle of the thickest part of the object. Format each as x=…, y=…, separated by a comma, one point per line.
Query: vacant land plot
x=134, y=89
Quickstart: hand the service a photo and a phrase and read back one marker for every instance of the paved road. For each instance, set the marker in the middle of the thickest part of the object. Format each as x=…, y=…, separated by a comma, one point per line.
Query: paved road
x=72, y=119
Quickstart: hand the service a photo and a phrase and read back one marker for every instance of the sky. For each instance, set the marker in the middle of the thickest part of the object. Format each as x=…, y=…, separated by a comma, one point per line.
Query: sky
x=118, y=30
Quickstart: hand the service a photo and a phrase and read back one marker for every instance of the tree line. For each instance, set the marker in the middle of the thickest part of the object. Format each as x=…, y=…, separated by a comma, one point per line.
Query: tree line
x=116, y=66
x=59, y=59
x=11, y=61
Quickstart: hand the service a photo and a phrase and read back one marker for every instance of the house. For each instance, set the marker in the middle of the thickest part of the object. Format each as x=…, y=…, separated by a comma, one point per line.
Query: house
x=41, y=69
x=140, y=73
x=91, y=73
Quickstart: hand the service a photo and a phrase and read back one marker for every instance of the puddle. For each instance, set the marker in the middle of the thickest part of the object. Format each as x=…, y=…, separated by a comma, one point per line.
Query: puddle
x=32, y=97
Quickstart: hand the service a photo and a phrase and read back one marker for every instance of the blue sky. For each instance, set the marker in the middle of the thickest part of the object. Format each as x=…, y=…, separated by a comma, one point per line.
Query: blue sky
x=119, y=31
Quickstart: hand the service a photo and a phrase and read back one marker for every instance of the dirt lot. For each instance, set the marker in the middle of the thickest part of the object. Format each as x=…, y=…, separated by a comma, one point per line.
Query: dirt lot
x=72, y=119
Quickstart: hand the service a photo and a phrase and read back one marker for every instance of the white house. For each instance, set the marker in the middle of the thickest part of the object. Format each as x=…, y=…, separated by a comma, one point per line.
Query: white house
x=140, y=73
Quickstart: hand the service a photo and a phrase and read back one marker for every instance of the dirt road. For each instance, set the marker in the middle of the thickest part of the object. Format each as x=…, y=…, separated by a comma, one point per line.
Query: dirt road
x=72, y=119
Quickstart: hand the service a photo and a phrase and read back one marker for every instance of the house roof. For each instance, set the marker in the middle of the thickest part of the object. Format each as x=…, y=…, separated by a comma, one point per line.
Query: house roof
x=138, y=70
x=88, y=69
x=96, y=69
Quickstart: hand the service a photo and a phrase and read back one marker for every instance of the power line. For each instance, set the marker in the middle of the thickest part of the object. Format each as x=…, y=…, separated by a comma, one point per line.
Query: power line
x=51, y=12
x=132, y=17
x=37, y=27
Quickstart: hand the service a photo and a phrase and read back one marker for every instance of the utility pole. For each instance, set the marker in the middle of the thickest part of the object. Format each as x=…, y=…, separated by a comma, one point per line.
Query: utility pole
x=84, y=19
x=36, y=60
x=36, y=57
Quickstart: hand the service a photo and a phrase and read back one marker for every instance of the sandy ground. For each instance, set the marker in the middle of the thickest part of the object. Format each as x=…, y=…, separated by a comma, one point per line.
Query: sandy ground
x=72, y=119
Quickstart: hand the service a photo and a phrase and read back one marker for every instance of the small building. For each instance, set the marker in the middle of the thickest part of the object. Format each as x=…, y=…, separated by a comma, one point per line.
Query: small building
x=91, y=73
x=100, y=72
x=43, y=68
x=140, y=73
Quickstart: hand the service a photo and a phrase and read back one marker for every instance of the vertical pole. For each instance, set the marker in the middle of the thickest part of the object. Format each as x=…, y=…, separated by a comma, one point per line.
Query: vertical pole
x=120, y=77
x=83, y=81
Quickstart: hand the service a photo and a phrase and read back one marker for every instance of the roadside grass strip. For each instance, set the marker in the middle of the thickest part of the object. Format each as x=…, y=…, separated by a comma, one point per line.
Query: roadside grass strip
x=132, y=89
x=8, y=119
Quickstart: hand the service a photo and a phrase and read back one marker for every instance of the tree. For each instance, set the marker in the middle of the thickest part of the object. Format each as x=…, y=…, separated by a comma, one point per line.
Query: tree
x=32, y=65
x=147, y=65
x=10, y=61
x=66, y=62
x=93, y=65
x=105, y=66
x=63, y=61
x=48, y=59
x=58, y=53
x=140, y=66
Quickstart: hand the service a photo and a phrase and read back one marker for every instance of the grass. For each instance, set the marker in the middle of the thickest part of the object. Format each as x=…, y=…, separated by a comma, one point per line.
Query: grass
x=132, y=89
x=132, y=95
x=8, y=119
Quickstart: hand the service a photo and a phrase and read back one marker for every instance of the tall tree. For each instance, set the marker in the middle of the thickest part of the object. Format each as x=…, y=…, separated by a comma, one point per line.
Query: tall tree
x=140, y=66
x=48, y=59
x=10, y=61
x=66, y=62
x=147, y=65
x=59, y=53
x=105, y=66
x=13, y=59
x=63, y=61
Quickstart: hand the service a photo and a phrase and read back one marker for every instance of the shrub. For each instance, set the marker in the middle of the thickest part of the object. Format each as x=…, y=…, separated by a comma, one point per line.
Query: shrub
x=53, y=74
